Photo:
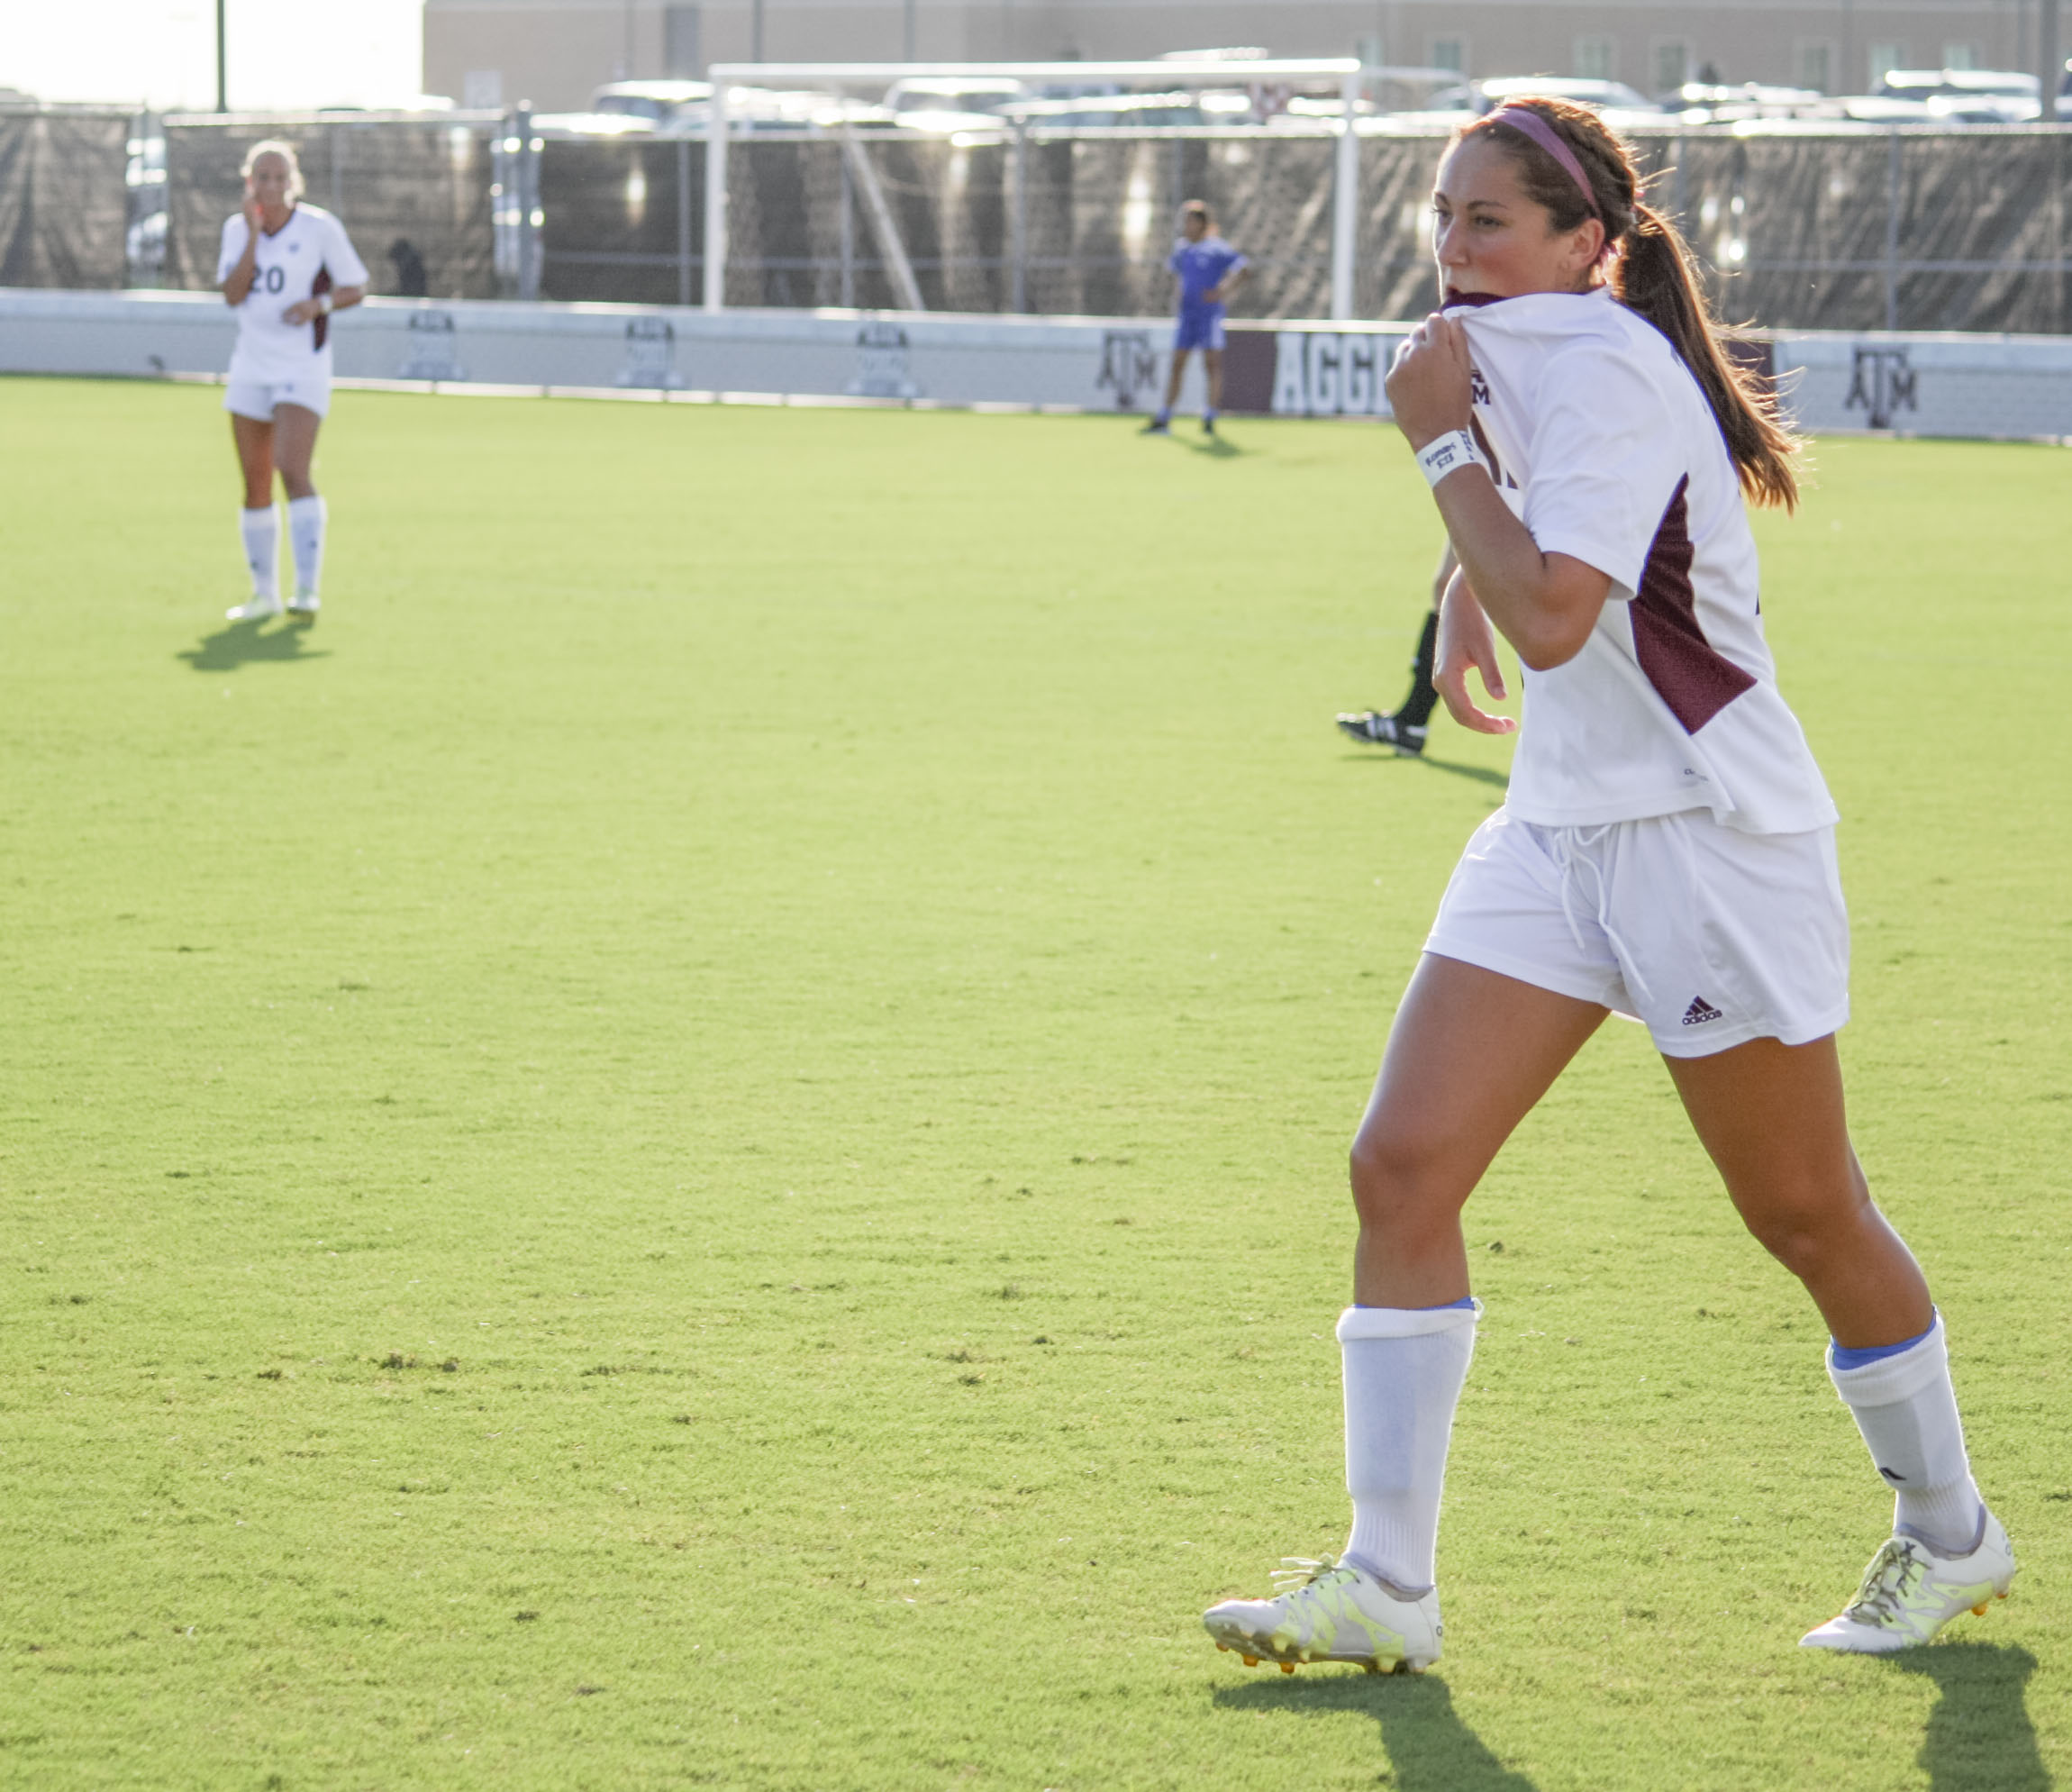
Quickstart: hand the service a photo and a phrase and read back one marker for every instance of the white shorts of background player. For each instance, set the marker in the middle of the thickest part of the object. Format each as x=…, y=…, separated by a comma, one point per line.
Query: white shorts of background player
x=257, y=398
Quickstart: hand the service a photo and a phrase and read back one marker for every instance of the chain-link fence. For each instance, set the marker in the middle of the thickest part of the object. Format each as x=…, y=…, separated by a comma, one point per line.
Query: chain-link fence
x=1799, y=229
x=64, y=199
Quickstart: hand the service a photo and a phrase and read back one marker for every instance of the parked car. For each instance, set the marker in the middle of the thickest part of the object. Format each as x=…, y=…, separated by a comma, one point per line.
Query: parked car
x=1092, y=111
x=592, y=125
x=1882, y=109
x=1969, y=96
x=658, y=101
x=1611, y=98
x=1709, y=103
x=943, y=105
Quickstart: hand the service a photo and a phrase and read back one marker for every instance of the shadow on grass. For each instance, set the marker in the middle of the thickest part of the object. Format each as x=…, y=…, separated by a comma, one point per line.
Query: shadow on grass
x=1979, y=1737
x=246, y=643
x=1217, y=448
x=1429, y=1748
x=1477, y=774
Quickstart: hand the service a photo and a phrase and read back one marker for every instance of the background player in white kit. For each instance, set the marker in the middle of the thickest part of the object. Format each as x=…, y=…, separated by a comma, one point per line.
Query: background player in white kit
x=285, y=267
x=1666, y=850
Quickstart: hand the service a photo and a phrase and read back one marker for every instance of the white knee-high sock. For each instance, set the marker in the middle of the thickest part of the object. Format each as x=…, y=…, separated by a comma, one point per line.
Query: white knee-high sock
x=261, y=530
x=305, y=520
x=1907, y=1409
x=1403, y=1371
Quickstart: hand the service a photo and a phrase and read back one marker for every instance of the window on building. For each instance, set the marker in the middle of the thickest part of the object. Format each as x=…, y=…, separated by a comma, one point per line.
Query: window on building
x=1596, y=59
x=681, y=58
x=1449, y=52
x=1672, y=68
x=1960, y=55
x=1815, y=63
x=1884, y=58
x=482, y=90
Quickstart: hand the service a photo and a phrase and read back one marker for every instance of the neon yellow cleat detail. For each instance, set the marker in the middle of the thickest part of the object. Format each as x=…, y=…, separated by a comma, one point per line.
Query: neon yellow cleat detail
x=1909, y=1592
x=1333, y=1612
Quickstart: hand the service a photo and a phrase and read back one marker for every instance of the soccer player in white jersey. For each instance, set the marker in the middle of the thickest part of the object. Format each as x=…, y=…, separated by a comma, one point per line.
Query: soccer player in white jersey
x=285, y=267
x=1667, y=850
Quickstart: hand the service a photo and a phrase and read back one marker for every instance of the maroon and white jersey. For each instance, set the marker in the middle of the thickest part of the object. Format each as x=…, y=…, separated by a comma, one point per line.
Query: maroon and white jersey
x=308, y=255
x=1602, y=443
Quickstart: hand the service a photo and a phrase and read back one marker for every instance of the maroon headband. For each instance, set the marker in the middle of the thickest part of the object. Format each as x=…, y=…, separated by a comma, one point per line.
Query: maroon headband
x=1523, y=118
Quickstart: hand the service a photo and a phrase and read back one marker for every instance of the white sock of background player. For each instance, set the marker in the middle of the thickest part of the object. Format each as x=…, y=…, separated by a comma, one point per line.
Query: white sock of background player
x=306, y=521
x=261, y=530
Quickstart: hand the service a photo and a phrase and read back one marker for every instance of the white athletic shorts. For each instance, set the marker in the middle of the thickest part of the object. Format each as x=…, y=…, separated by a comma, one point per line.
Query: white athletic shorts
x=256, y=399
x=1710, y=936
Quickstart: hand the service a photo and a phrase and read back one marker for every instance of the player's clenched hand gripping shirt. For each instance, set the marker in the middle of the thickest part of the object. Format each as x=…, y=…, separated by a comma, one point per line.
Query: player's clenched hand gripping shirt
x=1604, y=446
x=309, y=254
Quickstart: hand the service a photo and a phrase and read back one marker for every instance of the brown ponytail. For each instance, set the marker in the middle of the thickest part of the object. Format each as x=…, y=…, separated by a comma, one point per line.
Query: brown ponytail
x=1652, y=275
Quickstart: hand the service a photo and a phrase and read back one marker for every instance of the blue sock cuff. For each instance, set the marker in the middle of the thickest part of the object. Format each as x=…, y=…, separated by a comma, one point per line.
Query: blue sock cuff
x=1468, y=1300
x=1842, y=1357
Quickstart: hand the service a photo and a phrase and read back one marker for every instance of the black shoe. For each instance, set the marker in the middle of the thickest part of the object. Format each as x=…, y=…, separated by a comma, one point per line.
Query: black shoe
x=1157, y=426
x=1208, y=426
x=1373, y=729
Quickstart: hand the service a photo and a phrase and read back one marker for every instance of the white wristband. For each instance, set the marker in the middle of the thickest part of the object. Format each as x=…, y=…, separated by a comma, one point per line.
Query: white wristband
x=1448, y=454
x=323, y=304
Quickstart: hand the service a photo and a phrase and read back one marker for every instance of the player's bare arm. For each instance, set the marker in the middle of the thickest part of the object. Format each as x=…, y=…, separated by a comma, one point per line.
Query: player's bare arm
x=339, y=298
x=1467, y=643
x=1544, y=605
x=1221, y=292
x=239, y=282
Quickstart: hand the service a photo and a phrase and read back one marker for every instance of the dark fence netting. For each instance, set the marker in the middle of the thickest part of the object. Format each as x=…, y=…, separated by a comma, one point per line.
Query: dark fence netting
x=63, y=200
x=623, y=220
x=1797, y=228
x=1885, y=230
x=413, y=196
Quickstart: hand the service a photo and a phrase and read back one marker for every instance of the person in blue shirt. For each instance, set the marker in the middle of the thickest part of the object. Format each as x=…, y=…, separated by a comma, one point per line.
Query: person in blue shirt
x=1210, y=272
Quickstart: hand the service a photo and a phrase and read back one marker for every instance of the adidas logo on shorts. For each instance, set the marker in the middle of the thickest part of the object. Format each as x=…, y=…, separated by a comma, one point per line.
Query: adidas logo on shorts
x=1700, y=1012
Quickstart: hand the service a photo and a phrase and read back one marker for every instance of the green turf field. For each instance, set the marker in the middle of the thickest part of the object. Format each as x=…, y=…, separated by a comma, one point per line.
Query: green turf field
x=701, y=1142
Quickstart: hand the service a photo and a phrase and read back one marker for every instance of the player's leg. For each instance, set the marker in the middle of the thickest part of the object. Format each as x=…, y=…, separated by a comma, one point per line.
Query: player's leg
x=1471, y=1053
x=1163, y=421
x=1773, y=1119
x=294, y=434
x=1407, y=726
x=252, y=437
x=1212, y=368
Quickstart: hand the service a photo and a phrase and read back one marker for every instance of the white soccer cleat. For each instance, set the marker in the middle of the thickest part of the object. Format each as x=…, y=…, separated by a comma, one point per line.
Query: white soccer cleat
x=1330, y=1611
x=1909, y=1593
x=304, y=604
x=255, y=610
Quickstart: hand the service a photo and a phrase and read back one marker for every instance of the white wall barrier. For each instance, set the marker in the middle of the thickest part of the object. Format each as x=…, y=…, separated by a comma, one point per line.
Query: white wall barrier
x=2006, y=387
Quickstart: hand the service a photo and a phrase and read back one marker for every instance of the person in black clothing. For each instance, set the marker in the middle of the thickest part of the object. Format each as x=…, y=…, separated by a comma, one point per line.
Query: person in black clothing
x=1404, y=726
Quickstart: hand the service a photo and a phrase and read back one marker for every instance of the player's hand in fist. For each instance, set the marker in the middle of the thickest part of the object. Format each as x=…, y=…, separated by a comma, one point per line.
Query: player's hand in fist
x=1430, y=382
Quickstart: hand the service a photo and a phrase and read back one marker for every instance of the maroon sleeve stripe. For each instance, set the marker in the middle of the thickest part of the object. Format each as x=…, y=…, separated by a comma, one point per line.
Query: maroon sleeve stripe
x=1693, y=677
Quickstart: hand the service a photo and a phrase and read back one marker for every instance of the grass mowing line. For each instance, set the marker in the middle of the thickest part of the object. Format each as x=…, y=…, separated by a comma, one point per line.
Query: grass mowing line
x=826, y=961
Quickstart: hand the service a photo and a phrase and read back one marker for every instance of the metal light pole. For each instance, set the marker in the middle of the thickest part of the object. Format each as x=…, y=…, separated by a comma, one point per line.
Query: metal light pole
x=222, y=61
x=2050, y=58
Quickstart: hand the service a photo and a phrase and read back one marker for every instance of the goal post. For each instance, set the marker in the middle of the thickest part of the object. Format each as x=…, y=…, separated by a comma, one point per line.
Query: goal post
x=1347, y=74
